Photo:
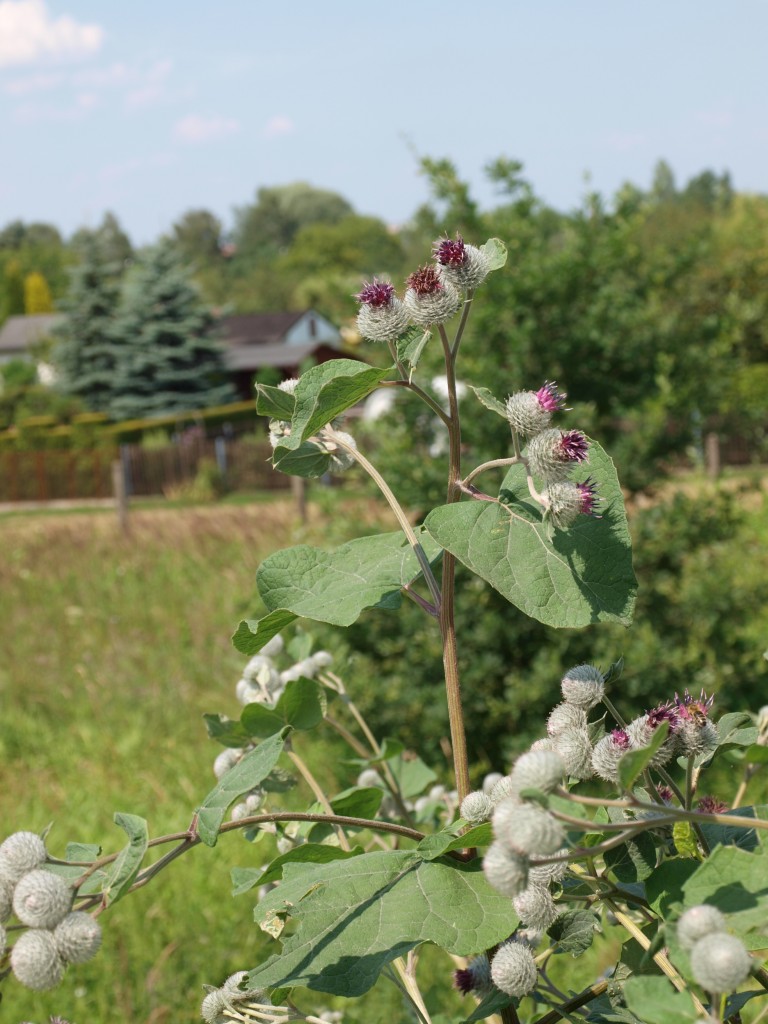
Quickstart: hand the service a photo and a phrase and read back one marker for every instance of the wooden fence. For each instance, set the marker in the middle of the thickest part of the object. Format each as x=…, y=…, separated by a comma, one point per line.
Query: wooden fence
x=54, y=475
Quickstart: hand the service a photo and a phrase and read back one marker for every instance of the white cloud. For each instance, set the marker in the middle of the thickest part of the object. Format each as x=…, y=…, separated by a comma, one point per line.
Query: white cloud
x=278, y=125
x=151, y=87
x=194, y=128
x=28, y=33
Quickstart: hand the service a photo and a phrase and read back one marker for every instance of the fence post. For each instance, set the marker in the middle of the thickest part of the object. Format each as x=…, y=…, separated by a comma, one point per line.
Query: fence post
x=121, y=498
x=299, y=489
x=712, y=454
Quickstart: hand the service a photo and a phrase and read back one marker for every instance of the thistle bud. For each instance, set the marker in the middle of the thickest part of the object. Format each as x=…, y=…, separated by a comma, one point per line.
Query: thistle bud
x=529, y=412
x=78, y=937
x=537, y=769
x=429, y=299
x=506, y=870
x=42, y=899
x=535, y=907
x=513, y=969
x=565, y=716
x=527, y=828
x=575, y=748
x=382, y=316
x=607, y=754
x=475, y=977
x=720, y=962
x=341, y=458
x=464, y=266
x=20, y=853
x=6, y=899
x=567, y=501
x=35, y=960
x=227, y=759
x=552, y=454
x=583, y=686
x=641, y=730
x=213, y=1006
x=502, y=789
x=697, y=922
x=476, y=807
x=275, y=646
x=554, y=871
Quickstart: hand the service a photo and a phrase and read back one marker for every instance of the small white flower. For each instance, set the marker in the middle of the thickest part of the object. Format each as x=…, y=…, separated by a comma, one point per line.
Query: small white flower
x=78, y=937
x=535, y=907
x=583, y=686
x=720, y=962
x=19, y=853
x=566, y=716
x=476, y=807
x=527, y=828
x=513, y=969
x=506, y=871
x=42, y=899
x=697, y=922
x=35, y=960
x=537, y=769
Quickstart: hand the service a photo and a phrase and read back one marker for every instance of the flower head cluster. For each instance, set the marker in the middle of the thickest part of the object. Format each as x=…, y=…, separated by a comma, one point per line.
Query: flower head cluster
x=56, y=935
x=329, y=440
x=719, y=961
x=552, y=454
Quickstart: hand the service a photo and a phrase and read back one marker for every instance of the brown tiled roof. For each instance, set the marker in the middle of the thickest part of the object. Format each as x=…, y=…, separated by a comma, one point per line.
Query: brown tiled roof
x=19, y=332
x=257, y=328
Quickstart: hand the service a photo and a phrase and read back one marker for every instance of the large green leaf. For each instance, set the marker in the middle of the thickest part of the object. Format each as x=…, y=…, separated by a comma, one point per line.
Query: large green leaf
x=655, y=1001
x=355, y=916
x=323, y=393
x=332, y=586
x=735, y=882
x=566, y=578
x=124, y=870
x=274, y=402
x=249, y=771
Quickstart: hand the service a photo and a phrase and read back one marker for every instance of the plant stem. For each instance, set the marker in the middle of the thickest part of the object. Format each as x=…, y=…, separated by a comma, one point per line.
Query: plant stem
x=396, y=507
x=562, y=1012
x=320, y=796
x=513, y=460
x=446, y=605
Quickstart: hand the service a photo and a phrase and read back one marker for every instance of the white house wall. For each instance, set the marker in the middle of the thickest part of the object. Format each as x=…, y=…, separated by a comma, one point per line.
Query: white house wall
x=301, y=333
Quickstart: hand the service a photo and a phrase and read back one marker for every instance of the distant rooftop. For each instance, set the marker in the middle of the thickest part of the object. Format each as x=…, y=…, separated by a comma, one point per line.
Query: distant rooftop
x=19, y=333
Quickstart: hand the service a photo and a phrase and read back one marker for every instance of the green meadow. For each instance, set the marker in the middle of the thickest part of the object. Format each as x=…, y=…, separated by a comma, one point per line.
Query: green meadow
x=113, y=647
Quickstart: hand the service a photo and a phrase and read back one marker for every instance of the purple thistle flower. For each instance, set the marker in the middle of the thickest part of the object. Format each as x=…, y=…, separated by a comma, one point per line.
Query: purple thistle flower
x=589, y=498
x=425, y=281
x=711, y=805
x=665, y=793
x=663, y=713
x=463, y=980
x=694, y=710
x=550, y=398
x=573, y=446
x=376, y=293
x=450, y=253
x=620, y=739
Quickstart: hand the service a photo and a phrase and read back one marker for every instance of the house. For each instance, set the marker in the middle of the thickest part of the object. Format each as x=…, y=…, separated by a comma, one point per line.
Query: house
x=251, y=341
x=20, y=334
x=281, y=341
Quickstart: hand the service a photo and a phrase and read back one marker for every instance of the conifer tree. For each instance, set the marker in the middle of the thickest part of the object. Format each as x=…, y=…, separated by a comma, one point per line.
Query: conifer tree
x=169, y=358
x=37, y=294
x=85, y=355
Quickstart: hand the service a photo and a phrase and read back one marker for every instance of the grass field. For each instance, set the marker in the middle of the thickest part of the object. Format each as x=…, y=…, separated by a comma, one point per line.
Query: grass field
x=112, y=649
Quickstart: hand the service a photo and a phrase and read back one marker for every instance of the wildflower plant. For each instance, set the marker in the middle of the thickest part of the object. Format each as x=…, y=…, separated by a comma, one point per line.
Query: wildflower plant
x=598, y=832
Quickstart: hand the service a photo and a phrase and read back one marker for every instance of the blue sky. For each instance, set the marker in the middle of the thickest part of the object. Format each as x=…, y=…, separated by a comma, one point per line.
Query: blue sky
x=150, y=109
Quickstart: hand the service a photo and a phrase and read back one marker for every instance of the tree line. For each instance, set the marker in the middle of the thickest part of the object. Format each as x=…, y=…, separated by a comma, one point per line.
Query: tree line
x=649, y=306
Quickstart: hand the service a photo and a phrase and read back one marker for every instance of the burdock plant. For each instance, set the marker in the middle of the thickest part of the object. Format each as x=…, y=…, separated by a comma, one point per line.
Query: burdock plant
x=595, y=832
